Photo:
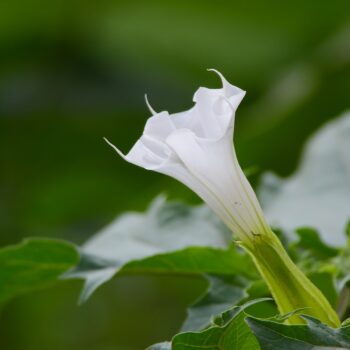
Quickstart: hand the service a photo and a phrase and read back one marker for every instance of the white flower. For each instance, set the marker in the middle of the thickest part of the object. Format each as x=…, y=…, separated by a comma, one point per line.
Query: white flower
x=195, y=147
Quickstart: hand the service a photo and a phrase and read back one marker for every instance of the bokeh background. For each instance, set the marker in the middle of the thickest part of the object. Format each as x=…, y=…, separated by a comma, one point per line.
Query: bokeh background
x=74, y=71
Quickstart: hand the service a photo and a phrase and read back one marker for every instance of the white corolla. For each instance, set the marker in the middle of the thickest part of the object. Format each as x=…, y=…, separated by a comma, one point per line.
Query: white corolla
x=195, y=147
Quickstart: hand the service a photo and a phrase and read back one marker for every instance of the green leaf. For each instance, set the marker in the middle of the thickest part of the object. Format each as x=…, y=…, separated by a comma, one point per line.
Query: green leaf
x=223, y=293
x=310, y=240
x=195, y=260
x=229, y=332
x=318, y=194
x=168, y=238
x=33, y=264
x=312, y=336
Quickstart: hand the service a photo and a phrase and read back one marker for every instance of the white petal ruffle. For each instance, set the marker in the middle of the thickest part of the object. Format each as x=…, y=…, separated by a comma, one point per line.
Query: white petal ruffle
x=195, y=147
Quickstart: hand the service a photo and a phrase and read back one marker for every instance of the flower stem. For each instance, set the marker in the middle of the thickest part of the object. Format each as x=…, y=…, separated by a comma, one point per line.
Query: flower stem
x=290, y=288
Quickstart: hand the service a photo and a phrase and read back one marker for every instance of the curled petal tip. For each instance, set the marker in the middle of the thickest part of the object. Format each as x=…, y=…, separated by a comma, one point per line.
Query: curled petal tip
x=223, y=80
x=115, y=148
x=213, y=70
x=149, y=106
x=216, y=71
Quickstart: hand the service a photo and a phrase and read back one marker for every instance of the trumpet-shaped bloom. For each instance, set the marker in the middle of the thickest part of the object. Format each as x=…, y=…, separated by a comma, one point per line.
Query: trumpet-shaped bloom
x=195, y=147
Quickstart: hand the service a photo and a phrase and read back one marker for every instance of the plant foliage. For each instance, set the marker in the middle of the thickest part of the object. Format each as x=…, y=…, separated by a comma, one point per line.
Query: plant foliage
x=173, y=238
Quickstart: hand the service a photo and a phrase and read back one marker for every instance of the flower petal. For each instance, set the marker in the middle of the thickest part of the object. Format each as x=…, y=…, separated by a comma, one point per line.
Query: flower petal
x=149, y=106
x=215, y=166
x=195, y=147
x=213, y=113
x=159, y=126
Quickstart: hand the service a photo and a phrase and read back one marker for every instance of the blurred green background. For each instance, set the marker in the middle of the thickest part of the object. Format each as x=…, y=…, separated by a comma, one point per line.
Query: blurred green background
x=73, y=71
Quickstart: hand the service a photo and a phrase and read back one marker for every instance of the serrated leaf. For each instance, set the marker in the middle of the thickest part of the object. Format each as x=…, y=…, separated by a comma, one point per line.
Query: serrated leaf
x=222, y=294
x=229, y=333
x=33, y=264
x=312, y=336
x=318, y=193
x=168, y=238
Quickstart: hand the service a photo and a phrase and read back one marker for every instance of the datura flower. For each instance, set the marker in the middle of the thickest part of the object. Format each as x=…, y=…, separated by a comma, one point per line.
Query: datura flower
x=195, y=147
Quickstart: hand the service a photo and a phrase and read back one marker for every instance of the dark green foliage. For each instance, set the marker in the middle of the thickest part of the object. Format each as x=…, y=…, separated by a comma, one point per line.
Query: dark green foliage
x=33, y=264
x=312, y=336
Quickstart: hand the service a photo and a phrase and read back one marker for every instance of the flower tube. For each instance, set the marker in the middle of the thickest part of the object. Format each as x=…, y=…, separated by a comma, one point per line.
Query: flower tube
x=195, y=147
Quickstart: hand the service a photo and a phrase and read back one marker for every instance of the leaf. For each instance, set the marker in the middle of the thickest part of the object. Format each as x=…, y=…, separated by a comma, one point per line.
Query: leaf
x=318, y=193
x=312, y=336
x=33, y=264
x=168, y=238
x=229, y=332
x=222, y=294
x=195, y=260
x=310, y=240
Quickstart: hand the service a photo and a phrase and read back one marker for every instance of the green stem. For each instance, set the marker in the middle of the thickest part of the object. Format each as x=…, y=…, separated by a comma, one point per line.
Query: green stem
x=290, y=288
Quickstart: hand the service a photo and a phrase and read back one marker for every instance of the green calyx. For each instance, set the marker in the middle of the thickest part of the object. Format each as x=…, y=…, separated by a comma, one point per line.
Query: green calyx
x=288, y=285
